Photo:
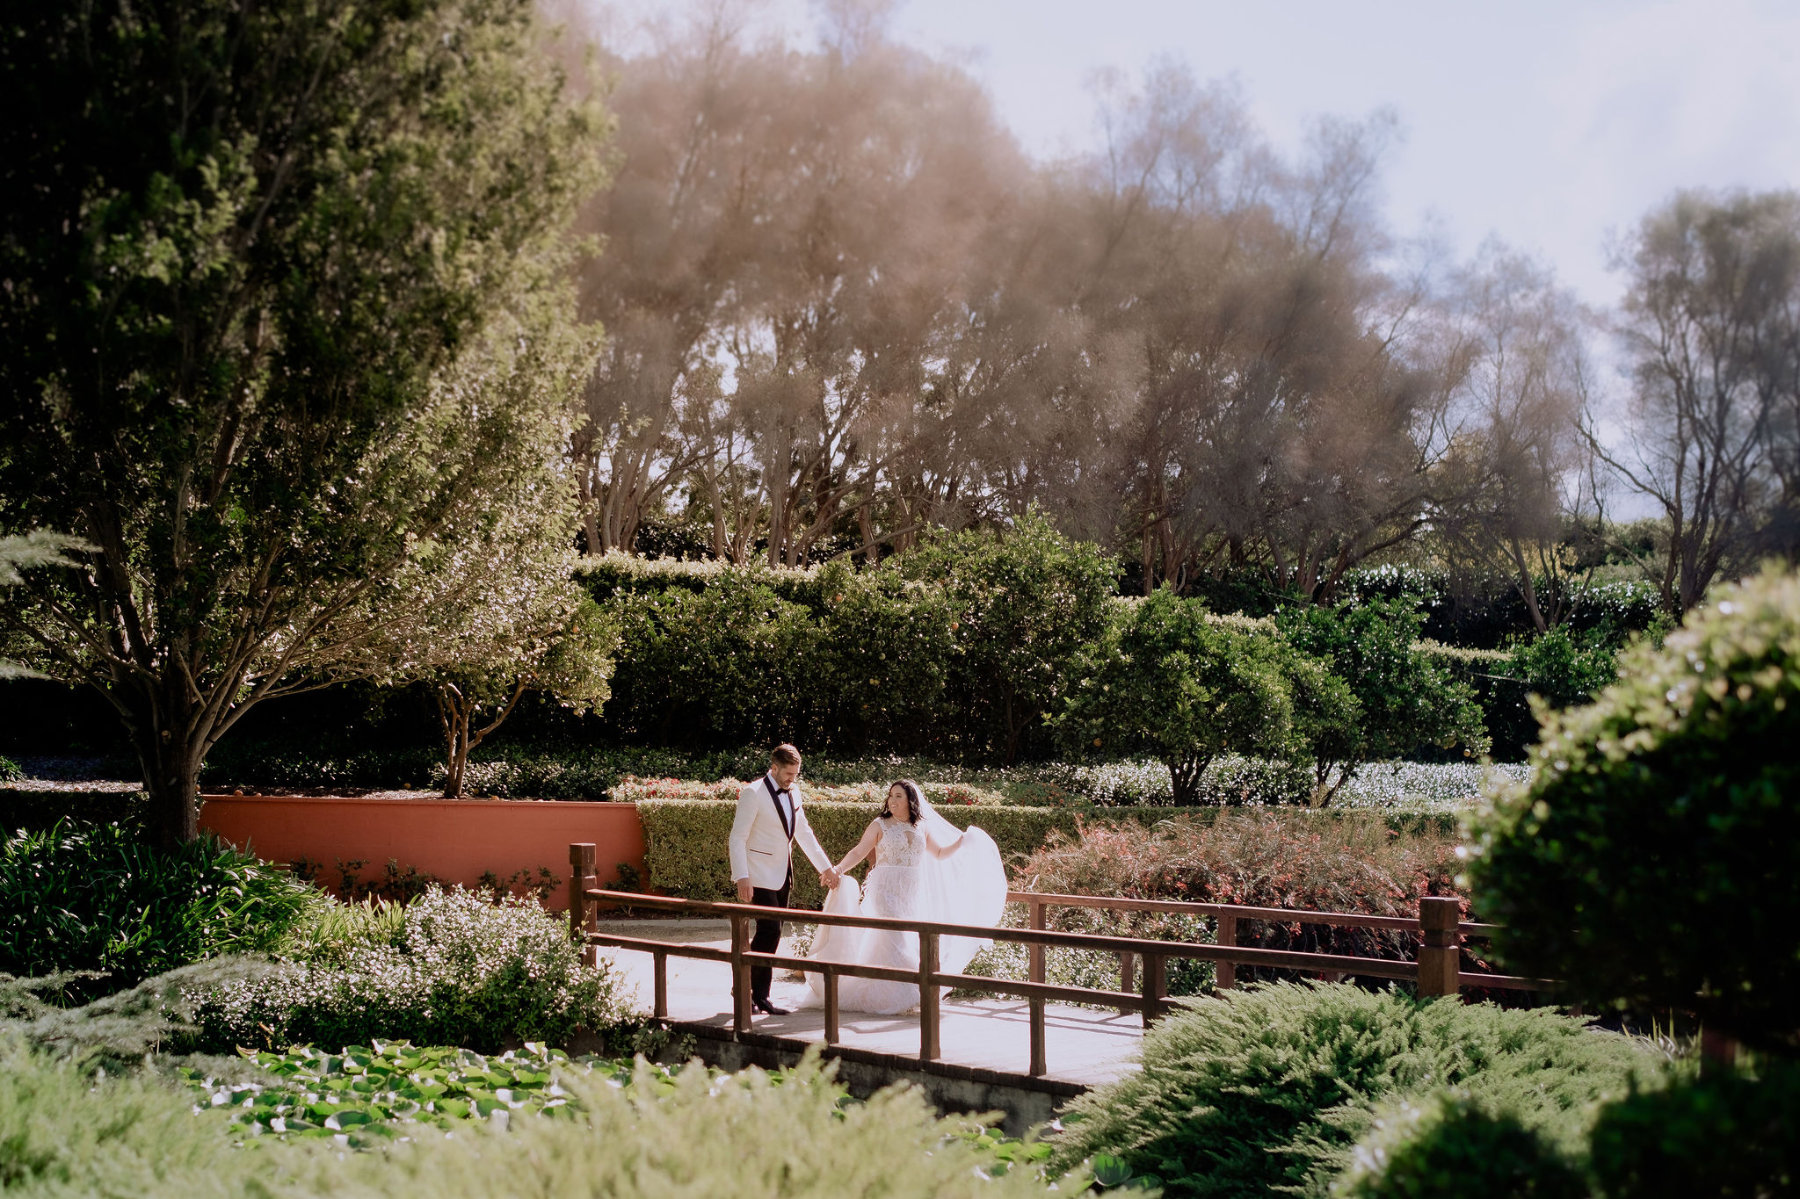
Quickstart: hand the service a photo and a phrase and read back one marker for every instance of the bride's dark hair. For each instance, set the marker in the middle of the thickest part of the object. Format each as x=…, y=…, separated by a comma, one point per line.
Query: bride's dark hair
x=912, y=800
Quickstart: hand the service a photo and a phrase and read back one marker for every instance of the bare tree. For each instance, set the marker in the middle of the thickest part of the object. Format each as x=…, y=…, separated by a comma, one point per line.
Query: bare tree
x=1711, y=329
x=1516, y=450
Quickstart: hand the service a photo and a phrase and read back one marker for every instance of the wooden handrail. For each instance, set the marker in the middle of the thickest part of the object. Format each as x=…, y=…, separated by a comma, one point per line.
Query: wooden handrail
x=1408, y=924
x=1435, y=969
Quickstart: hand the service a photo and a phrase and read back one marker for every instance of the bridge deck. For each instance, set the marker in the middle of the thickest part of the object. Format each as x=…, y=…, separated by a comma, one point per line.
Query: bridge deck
x=1084, y=1046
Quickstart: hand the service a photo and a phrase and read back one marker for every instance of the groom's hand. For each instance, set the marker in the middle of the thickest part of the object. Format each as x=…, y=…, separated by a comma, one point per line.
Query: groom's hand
x=743, y=886
x=829, y=876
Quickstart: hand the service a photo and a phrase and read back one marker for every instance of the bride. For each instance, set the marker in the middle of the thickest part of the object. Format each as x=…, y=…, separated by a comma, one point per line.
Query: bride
x=924, y=870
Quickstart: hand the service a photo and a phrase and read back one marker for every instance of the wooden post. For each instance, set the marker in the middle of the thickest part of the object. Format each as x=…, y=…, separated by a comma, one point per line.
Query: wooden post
x=1225, y=973
x=929, y=1047
x=1153, y=987
x=1038, y=1068
x=740, y=972
x=831, y=1006
x=1127, y=975
x=1439, y=949
x=662, y=985
x=1038, y=922
x=581, y=870
x=584, y=915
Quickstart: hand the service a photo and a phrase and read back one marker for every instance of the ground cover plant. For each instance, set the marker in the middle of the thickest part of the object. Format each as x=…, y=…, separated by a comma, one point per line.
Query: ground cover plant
x=1266, y=1089
x=65, y=1131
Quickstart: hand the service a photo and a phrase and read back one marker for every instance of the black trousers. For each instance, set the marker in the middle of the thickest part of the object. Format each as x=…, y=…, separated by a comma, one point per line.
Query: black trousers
x=768, y=933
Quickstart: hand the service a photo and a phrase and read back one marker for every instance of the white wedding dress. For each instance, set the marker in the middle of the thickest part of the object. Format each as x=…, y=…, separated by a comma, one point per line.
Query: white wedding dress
x=967, y=886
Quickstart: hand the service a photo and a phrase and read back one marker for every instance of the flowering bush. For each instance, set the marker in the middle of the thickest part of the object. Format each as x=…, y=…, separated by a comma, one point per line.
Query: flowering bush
x=1261, y=859
x=636, y=790
x=450, y=969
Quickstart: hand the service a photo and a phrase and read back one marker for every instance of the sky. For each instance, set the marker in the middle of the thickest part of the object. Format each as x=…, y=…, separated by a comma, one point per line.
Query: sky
x=1553, y=126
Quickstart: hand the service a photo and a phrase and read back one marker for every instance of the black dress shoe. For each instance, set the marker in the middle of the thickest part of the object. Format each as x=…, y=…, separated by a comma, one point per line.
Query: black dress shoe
x=767, y=1008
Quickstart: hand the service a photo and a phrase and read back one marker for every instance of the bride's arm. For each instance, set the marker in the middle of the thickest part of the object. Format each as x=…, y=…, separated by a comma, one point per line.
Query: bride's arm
x=862, y=850
x=942, y=849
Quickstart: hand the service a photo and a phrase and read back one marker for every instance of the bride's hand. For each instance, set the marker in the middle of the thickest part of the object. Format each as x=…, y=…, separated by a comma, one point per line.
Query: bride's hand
x=830, y=877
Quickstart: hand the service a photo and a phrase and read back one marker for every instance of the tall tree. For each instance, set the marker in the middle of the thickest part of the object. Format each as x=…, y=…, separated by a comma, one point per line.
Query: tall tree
x=241, y=244
x=1711, y=331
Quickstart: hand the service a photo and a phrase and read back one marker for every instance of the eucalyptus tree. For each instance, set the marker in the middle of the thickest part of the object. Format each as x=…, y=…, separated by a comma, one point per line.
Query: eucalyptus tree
x=251, y=260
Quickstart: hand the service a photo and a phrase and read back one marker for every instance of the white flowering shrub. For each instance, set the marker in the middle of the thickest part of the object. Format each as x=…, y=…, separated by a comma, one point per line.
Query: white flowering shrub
x=455, y=970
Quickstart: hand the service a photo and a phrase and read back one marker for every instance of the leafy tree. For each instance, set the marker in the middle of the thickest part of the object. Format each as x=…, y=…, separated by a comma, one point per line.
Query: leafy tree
x=243, y=247
x=1024, y=605
x=1405, y=699
x=18, y=554
x=884, y=654
x=1651, y=860
x=570, y=659
x=1169, y=682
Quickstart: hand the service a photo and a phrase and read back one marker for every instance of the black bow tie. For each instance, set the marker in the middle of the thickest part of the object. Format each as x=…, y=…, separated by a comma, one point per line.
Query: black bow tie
x=782, y=791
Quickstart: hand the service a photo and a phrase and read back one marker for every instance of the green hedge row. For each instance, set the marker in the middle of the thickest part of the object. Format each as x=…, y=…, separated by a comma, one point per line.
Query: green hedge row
x=685, y=840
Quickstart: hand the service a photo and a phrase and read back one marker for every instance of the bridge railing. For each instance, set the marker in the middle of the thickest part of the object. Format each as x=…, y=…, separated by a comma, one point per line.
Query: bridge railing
x=1435, y=969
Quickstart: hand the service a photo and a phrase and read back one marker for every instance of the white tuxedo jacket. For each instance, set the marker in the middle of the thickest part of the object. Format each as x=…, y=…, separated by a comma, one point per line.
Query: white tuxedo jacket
x=760, y=847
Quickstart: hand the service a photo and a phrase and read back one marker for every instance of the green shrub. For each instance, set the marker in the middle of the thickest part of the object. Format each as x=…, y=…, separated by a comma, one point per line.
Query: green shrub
x=1404, y=698
x=37, y=811
x=93, y=897
x=452, y=969
x=9, y=770
x=1268, y=1087
x=1024, y=606
x=1651, y=859
x=720, y=666
x=1732, y=1136
x=1169, y=683
x=1449, y=1144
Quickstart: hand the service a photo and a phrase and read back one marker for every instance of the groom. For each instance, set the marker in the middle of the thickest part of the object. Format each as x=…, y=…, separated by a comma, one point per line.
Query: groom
x=769, y=820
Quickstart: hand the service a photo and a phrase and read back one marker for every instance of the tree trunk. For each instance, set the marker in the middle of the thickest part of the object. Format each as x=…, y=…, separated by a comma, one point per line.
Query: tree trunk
x=170, y=744
x=1184, y=780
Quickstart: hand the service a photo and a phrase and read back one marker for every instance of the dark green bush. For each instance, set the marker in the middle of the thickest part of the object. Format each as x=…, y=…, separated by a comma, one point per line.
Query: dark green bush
x=9, y=770
x=1449, y=1144
x=92, y=897
x=1268, y=1087
x=1024, y=606
x=1736, y=1136
x=1166, y=682
x=1651, y=860
x=1405, y=699
x=449, y=968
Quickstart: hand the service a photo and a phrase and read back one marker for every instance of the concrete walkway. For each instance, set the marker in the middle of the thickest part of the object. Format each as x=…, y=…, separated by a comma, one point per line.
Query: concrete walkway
x=1084, y=1046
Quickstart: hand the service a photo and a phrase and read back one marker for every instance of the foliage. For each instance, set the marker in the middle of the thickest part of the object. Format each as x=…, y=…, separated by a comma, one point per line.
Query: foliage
x=1267, y=1087
x=32, y=551
x=293, y=360
x=370, y=1093
x=790, y=1133
x=1404, y=699
x=1484, y=613
x=1650, y=860
x=158, y=1015
x=1730, y=1135
x=558, y=642
x=9, y=770
x=94, y=897
x=1172, y=684
x=884, y=655
x=1278, y=859
x=1024, y=606
x=721, y=666
x=1449, y=1144
x=453, y=970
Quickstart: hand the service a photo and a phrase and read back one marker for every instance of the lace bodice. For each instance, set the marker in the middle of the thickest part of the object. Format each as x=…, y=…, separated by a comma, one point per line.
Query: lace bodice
x=901, y=845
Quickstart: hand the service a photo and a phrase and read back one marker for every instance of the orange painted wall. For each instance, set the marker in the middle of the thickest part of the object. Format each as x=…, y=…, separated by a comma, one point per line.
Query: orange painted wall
x=457, y=840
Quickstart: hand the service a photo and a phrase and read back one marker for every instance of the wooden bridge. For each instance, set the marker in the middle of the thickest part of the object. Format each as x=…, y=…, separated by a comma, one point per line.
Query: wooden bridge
x=1061, y=1039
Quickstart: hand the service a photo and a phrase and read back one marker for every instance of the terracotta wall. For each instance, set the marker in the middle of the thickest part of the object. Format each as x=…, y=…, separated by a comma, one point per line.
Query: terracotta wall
x=456, y=840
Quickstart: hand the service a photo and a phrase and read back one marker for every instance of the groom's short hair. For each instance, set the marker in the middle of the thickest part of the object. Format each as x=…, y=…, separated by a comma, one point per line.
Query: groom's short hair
x=784, y=755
